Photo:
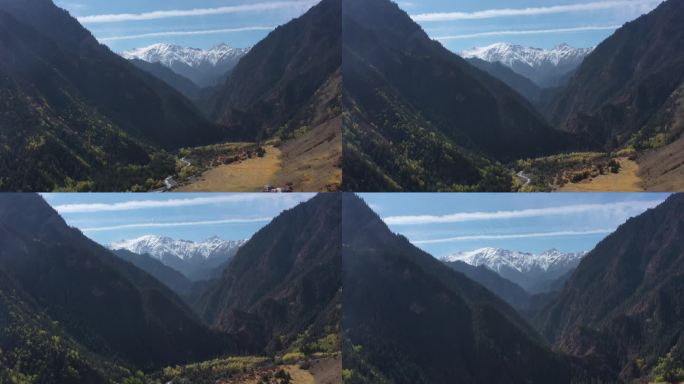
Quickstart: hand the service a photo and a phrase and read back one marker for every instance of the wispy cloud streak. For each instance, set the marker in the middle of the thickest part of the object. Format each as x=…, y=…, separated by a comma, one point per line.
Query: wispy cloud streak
x=171, y=203
x=554, y=9
x=527, y=32
x=255, y=7
x=624, y=206
x=185, y=33
x=514, y=236
x=176, y=224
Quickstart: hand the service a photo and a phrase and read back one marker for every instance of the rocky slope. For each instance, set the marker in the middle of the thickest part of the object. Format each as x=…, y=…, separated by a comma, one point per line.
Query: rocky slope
x=622, y=307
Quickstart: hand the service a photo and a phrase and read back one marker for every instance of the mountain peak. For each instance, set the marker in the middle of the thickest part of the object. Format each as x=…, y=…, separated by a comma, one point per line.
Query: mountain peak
x=512, y=54
x=162, y=246
x=498, y=259
x=171, y=54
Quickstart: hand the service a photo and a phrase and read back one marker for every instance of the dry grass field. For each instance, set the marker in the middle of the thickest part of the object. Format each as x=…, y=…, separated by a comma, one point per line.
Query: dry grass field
x=246, y=176
x=627, y=180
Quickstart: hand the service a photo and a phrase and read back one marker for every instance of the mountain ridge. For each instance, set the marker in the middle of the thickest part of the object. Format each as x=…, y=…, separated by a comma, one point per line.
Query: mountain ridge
x=534, y=272
x=107, y=304
x=204, y=67
x=622, y=306
x=543, y=66
x=411, y=319
x=284, y=284
x=421, y=117
x=60, y=124
x=195, y=260
x=624, y=91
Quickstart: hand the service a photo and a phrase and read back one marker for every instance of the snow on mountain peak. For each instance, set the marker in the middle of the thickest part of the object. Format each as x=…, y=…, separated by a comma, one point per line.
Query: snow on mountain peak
x=170, y=55
x=161, y=246
x=498, y=259
x=512, y=54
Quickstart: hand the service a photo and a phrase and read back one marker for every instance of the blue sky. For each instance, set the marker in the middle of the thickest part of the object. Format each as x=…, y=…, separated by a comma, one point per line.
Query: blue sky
x=443, y=224
x=108, y=217
x=195, y=23
x=458, y=24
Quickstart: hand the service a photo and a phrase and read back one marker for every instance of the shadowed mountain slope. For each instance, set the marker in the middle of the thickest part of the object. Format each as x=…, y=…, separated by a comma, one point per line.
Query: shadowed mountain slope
x=507, y=290
x=624, y=91
x=285, y=282
x=408, y=318
x=622, y=307
x=75, y=111
x=271, y=88
x=422, y=118
x=111, y=307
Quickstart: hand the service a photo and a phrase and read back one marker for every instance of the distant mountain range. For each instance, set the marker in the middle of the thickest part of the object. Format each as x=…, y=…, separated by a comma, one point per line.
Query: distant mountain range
x=545, y=67
x=534, y=272
x=195, y=260
x=204, y=67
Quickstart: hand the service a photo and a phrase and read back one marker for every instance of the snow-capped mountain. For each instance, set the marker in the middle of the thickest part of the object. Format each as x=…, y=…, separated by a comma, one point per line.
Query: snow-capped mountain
x=546, y=67
x=534, y=272
x=204, y=67
x=193, y=259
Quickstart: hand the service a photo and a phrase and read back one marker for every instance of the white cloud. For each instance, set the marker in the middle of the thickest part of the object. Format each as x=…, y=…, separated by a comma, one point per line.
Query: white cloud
x=177, y=224
x=527, y=32
x=288, y=199
x=185, y=33
x=407, y=4
x=153, y=15
x=514, y=236
x=624, y=207
x=639, y=5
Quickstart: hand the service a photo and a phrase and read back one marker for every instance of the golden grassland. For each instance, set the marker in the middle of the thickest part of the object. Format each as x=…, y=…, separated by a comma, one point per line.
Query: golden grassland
x=249, y=175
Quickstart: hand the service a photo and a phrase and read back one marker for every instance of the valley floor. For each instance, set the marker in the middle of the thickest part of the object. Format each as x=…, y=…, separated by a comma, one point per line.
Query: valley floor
x=319, y=369
x=584, y=172
x=310, y=162
x=250, y=175
x=626, y=180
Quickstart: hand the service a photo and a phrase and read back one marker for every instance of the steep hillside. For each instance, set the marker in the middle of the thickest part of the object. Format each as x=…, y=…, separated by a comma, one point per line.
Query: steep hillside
x=272, y=86
x=284, y=284
x=408, y=318
x=37, y=349
x=507, y=290
x=623, y=306
x=518, y=83
x=74, y=111
x=173, y=279
x=181, y=84
x=111, y=307
x=624, y=90
x=421, y=116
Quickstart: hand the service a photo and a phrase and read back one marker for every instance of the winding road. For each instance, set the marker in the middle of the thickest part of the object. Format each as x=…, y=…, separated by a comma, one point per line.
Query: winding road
x=526, y=179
